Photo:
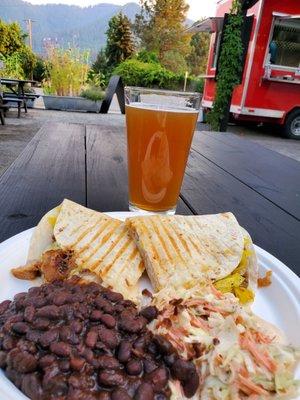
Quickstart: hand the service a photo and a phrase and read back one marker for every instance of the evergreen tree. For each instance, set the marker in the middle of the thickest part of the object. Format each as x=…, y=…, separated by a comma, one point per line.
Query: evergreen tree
x=120, y=45
x=160, y=27
x=100, y=64
x=197, y=59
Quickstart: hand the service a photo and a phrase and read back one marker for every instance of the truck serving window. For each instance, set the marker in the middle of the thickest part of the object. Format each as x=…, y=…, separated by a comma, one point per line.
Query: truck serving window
x=284, y=47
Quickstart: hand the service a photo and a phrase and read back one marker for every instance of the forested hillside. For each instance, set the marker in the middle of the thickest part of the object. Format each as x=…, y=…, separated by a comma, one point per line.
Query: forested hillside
x=66, y=25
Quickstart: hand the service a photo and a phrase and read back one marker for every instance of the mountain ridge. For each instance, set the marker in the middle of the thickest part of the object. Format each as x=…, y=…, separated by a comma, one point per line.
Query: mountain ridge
x=66, y=25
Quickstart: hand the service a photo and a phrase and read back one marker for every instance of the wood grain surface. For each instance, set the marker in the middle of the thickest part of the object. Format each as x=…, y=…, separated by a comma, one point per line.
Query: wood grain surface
x=274, y=176
x=51, y=167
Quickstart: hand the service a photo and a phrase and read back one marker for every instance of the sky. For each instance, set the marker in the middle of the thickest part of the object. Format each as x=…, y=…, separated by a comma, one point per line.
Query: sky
x=198, y=8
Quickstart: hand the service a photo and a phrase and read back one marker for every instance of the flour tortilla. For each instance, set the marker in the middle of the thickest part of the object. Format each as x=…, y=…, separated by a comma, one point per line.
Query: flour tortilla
x=181, y=249
x=101, y=245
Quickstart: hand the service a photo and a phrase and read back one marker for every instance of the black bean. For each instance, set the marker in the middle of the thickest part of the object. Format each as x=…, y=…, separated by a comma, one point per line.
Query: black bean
x=149, y=365
x=77, y=363
x=41, y=323
x=48, y=337
x=20, y=327
x=107, y=362
x=134, y=367
x=91, y=338
x=31, y=386
x=158, y=378
x=130, y=322
x=150, y=313
x=104, y=305
x=111, y=378
x=113, y=296
x=124, y=351
x=2, y=359
x=46, y=361
x=144, y=392
x=61, y=349
x=190, y=386
x=120, y=394
x=4, y=306
x=29, y=313
x=61, y=298
x=8, y=343
x=181, y=369
x=64, y=365
x=33, y=336
x=164, y=345
x=108, y=337
x=51, y=312
x=170, y=359
x=22, y=361
x=108, y=320
x=96, y=315
x=76, y=326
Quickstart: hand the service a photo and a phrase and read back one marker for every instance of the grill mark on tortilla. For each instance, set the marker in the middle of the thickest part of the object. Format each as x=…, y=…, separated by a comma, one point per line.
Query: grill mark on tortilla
x=96, y=263
x=96, y=248
x=159, y=240
x=82, y=234
x=121, y=251
x=95, y=236
x=169, y=234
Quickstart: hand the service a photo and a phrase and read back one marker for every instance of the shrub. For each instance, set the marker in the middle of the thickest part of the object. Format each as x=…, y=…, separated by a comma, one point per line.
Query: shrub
x=93, y=93
x=66, y=72
x=138, y=73
x=39, y=71
x=12, y=66
x=147, y=56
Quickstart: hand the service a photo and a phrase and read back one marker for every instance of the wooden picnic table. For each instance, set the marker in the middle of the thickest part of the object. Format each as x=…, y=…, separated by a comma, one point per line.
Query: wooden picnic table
x=20, y=83
x=87, y=164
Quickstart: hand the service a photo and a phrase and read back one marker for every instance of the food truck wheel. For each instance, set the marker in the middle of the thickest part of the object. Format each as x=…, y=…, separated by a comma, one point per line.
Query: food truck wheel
x=291, y=127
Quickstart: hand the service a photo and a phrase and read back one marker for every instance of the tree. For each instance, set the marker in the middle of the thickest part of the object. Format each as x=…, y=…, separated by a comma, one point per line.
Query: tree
x=14, y=52
x=12, y=39
x=229, y=68
x=197, y=59
x=120, y=45
x=160, y=27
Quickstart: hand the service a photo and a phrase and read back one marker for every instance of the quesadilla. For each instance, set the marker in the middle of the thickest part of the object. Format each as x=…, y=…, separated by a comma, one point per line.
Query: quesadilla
x=179, y=250
x=72, y=239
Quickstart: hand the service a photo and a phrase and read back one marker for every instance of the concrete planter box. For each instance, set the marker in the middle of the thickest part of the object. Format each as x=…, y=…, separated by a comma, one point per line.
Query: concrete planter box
x=67, y=103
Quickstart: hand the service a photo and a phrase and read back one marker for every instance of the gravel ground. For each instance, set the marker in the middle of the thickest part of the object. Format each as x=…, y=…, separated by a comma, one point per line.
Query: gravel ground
x=17, y=132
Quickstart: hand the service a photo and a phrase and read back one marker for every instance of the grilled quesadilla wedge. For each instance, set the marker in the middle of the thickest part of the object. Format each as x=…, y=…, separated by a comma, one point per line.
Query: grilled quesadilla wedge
x=179, y=249
x=72, y=239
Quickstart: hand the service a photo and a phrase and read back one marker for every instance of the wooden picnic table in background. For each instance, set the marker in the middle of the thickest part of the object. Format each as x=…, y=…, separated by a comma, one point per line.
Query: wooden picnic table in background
x=20, y=83
x=87, y=164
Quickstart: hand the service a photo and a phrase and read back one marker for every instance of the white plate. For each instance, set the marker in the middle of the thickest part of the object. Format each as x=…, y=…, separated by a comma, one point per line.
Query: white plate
x=278, y=303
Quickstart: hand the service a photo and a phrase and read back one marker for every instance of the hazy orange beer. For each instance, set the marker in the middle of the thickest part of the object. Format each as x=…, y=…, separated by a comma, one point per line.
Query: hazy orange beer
x=159, y=136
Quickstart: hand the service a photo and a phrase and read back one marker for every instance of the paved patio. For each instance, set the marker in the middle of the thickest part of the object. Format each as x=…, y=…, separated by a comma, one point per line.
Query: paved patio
x=17, y=133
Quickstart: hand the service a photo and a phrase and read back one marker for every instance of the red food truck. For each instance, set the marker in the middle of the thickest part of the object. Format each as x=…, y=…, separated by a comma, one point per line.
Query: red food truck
x=270, y=81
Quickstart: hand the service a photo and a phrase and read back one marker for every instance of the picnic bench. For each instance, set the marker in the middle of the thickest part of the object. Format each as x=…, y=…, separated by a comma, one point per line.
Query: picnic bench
x=16, y=93
x=87, y=164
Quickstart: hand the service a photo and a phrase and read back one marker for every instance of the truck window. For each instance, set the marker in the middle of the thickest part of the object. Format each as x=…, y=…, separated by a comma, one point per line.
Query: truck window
x=216, y=48
x=284, y=47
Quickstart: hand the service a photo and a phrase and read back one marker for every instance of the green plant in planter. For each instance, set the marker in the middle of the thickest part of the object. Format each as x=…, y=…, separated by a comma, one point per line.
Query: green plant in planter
x=229, y=66
x=66, y=72
x=94, y=93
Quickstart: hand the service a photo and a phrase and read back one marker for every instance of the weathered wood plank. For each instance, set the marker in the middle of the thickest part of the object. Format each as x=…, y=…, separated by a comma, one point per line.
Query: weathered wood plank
x=209, y=189
x=50, y=168
x=274, y=176
x=107, y=187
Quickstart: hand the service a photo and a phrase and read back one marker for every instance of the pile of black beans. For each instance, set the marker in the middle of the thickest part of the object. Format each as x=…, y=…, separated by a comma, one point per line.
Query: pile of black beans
x=68, y=341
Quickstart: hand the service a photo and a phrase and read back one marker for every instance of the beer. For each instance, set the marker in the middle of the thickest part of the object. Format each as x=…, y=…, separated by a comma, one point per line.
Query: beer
x=159, y=141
